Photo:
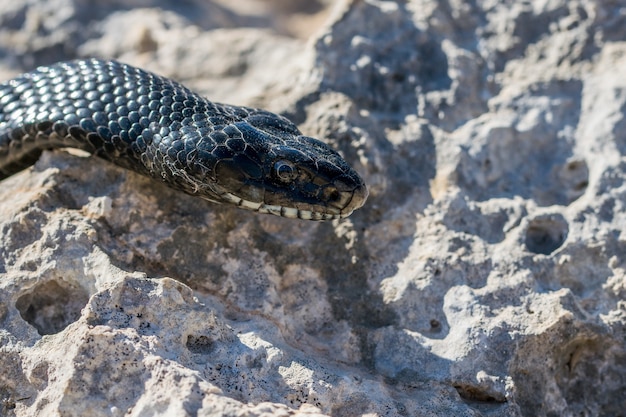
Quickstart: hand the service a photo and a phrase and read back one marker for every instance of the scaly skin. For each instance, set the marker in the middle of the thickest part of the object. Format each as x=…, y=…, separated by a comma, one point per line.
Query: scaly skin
x=247, y=157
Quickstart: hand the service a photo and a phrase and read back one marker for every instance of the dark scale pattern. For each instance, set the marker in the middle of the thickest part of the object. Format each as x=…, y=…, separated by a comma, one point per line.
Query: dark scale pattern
x=247, y=157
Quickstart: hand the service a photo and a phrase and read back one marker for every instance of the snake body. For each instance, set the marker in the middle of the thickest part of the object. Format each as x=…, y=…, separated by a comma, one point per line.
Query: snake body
x=246, y=157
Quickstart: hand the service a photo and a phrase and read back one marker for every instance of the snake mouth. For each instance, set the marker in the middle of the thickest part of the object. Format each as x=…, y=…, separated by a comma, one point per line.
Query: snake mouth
x=282, y=211
x=294, y=213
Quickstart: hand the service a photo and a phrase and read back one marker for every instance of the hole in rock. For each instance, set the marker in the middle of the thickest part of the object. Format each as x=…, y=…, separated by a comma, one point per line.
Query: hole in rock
x=546, y=234
x=50, y=307
x=199, y=344
x=435, y=326
x=474, y=393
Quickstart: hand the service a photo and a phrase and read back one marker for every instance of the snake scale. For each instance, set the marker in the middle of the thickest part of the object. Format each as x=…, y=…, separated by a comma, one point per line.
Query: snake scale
x=242, y=156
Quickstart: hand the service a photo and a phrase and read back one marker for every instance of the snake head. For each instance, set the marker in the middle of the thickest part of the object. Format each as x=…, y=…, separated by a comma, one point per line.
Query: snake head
x=272, y=168
x=307, y=179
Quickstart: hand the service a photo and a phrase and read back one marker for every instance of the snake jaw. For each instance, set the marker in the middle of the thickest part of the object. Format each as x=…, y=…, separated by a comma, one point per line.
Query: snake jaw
x=282, y=211
x=356, y=201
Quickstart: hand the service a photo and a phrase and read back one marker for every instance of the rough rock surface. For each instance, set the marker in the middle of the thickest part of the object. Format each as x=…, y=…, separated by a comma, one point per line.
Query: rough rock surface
x=486, y=276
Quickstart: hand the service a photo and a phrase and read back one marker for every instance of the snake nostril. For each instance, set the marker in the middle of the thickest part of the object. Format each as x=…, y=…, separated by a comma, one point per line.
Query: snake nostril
x=331, y=194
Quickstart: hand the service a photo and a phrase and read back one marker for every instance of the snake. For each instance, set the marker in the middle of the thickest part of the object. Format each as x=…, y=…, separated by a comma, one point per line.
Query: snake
x=242, y=156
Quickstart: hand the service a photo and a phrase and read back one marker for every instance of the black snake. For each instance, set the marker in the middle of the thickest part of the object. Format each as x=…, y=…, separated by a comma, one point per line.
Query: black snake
x=247, y=157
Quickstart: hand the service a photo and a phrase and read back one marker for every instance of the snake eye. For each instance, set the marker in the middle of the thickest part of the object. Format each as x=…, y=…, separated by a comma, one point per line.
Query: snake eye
x=285, y=171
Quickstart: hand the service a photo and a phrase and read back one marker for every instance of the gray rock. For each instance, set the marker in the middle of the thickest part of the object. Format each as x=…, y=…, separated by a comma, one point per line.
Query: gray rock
x=484, y=277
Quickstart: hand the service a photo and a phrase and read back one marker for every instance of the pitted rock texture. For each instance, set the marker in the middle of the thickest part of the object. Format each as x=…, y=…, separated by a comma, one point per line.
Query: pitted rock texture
x=485, y=276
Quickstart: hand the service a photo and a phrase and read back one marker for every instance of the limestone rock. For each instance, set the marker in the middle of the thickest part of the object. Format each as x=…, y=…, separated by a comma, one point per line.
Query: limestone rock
x=484, y=277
